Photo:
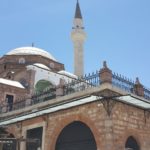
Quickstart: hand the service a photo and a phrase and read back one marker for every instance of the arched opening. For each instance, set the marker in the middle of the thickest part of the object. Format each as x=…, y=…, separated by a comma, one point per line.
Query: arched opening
x=22, y=60
x=44, y=90
x=8, y=141
x=43, y=85
x=131, y=144
x=76, y=136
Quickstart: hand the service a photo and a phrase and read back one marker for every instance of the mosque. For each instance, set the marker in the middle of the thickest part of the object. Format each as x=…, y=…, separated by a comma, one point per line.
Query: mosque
x=44, y=107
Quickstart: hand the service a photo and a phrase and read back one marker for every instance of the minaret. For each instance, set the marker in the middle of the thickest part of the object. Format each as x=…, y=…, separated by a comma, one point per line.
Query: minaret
x=78, y=37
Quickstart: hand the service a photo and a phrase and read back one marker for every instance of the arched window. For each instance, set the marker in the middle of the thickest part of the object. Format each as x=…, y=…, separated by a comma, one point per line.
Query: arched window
x=43, y=85
x=22, y=61
x=52, y=65
x=76, y=136
x=10, y=75
x=131, y=144
x=44, y=90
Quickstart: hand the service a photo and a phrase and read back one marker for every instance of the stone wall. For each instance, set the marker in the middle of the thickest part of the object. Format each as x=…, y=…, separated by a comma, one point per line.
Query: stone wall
x=110, y=132
x=12, y=61
x=18, y=93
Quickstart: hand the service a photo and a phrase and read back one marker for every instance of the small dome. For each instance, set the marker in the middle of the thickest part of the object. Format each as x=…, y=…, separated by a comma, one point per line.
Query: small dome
x=63, y=72
x=31, y=51
x=41, y=66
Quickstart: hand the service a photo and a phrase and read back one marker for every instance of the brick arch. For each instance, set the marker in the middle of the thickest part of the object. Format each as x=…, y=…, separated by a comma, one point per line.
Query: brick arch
x=66, y=121
x=12, y=131
x=134, y=134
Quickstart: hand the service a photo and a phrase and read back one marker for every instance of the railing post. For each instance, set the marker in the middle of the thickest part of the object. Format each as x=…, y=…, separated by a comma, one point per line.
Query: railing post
x=138, y=88
x=60, y=88
x=105, y=74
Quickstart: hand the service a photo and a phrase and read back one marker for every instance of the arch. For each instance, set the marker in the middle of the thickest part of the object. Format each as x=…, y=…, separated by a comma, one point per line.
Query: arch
x=22, y=60
x=135, y=136
x=8, y=146
x=66, y=121
x=76, y=135
x=10, y=75
x=43, y=85
x=131, y=144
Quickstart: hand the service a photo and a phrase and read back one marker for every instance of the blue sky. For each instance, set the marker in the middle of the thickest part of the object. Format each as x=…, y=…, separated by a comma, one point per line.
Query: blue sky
x=118, y=31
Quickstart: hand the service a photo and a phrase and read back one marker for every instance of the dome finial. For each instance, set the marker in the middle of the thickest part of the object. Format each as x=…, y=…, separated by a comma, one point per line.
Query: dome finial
x=137, y=80
x=104, y=64
x=32, y=44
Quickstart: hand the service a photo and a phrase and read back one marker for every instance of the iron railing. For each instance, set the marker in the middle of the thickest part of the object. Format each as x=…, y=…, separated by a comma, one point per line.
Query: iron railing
x=29, y=101
x=50, y=93
x=146, y=93
x=76, y=85
x=123, y=83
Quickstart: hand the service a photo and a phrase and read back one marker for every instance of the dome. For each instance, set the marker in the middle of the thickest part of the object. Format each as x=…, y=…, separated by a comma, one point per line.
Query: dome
x=31, y=51
x=63, y=72
x=41, y=66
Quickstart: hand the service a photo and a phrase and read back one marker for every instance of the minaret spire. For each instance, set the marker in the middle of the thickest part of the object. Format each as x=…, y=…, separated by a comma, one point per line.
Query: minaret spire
x=78, y=11
x=78, y=37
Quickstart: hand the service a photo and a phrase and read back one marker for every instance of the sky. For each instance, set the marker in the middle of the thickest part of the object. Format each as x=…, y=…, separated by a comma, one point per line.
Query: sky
x=118, y=31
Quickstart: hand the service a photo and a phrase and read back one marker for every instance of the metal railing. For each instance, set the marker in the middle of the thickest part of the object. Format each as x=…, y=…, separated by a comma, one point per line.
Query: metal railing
x=28, y=101
x=146, y=93
x=76, y=85
x=123, y=82
x=50, y=93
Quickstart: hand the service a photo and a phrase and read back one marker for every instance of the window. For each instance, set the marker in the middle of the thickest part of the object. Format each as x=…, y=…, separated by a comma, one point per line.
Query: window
x=5, y=67
x=10, y=75
x=9, y=101
x=35, y=137
x=24, y=82
x=131, y=144
x=52, y=65
x=22, y=61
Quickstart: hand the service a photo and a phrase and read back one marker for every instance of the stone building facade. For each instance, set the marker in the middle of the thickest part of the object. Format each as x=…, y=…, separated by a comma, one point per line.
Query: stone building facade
x=100, y=117
x=44, y=107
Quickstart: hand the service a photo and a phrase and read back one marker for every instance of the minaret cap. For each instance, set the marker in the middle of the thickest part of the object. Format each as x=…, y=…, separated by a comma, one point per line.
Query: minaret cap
x=78, y=11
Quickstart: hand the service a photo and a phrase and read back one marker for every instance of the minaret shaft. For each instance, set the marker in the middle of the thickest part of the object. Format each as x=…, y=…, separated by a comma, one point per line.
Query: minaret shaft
x=78, y=37
x=78, y=59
